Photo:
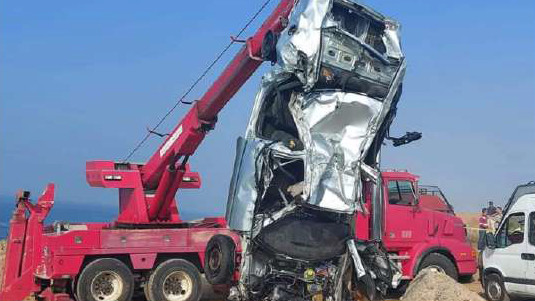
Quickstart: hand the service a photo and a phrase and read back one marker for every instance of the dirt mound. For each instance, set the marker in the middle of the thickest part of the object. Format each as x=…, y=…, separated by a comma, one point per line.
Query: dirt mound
x=431, y=285
x=2, y=254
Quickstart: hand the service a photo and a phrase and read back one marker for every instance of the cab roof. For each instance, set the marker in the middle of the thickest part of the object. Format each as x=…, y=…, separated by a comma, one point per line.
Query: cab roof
x=519, y=192
x=399, y=174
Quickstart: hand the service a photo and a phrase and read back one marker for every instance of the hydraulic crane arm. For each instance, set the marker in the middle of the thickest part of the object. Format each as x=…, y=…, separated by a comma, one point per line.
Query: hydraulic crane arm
x=167, y=171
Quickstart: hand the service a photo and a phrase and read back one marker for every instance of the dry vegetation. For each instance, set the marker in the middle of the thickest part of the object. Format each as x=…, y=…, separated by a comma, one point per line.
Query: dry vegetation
x=472, y=222
x=2, y=254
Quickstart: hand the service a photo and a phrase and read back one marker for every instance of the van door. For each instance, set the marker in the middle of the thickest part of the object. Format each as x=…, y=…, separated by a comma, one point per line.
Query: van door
x=529, y=256
x=510, y=245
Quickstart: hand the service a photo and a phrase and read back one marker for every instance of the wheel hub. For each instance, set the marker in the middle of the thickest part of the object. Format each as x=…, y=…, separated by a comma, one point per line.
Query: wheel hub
x=215, y=258
x=177, y=286
x=106, y=286
x=494, y=290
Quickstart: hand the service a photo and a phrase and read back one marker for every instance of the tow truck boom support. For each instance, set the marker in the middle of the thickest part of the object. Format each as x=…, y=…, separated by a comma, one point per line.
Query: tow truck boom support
x=149, y=195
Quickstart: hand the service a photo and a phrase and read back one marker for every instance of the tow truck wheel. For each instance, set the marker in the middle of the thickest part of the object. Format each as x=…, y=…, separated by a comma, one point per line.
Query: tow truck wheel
x=105, y=279
x=174, y=280
x=494, y=288
x=441, y=263
x=219, y=259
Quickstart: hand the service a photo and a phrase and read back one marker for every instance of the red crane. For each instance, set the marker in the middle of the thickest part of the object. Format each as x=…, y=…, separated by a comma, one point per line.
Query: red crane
x=146, y=192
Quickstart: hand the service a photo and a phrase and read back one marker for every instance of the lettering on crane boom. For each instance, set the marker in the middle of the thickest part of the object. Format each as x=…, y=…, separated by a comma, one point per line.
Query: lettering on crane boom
x=170, y=141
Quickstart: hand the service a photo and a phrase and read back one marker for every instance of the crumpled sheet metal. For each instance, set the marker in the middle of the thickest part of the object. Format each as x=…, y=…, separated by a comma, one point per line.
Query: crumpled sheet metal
x=299, y=44
x=243, y=192
x=345, y=88
x=357, y=262
x=339, y=186
x=336, y=128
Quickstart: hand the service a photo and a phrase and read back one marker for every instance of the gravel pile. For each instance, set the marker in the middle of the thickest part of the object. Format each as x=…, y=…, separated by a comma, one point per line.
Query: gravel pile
x=431, y=285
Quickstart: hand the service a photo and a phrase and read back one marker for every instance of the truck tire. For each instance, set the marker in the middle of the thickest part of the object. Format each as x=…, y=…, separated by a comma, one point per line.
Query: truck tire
x=219, y=259
x=174, y=280
x=441, y=263
x=494, y=288
x=105, y=279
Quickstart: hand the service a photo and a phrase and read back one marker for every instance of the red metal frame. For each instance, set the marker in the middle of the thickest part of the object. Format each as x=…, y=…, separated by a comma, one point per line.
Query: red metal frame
x=41, y=260
x=38, y=254
x=412, y=232
x=166, y=170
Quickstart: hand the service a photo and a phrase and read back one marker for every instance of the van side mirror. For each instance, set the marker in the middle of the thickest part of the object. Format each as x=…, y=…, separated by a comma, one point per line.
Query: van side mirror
x=490, y=241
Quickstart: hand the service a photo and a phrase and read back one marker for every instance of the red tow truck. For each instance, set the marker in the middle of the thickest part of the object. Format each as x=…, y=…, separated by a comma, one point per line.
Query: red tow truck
x=148, y=246
x=417, y=226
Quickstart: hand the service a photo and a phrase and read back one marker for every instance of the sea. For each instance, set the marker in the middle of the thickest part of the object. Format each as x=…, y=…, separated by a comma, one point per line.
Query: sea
x=74, y=212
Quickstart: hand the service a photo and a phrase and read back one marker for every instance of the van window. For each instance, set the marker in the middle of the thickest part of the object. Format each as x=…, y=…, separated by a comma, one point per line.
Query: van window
x=532, y=228
x=512, y=231
x=401, y=193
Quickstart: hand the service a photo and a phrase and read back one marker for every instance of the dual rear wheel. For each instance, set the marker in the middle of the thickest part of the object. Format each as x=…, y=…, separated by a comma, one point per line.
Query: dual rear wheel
x=109, y=279
x=174, y=280
x=105, y=279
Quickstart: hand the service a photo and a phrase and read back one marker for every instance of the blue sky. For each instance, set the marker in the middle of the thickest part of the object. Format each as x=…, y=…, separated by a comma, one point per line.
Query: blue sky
x=81, y=80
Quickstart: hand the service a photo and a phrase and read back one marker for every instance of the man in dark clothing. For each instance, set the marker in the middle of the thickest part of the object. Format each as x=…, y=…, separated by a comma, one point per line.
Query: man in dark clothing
x=491, y=210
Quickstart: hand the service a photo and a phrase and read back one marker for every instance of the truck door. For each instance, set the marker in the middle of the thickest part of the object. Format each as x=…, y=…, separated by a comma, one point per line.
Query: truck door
x=404, y=222
x=510, y=245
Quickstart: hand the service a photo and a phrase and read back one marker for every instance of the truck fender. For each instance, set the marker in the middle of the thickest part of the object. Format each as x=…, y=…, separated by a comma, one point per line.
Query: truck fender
x=424, y=253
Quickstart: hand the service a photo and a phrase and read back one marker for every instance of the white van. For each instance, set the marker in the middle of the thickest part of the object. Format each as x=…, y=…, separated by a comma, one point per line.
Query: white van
x=507, y=264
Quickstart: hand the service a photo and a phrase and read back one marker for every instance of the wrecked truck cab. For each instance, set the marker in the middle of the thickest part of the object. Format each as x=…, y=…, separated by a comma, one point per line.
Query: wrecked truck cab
x=330, y=44
x=321, y=111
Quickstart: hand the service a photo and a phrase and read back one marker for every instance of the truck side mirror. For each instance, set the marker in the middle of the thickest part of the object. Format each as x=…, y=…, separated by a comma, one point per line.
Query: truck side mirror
x=490, y=241
x=416, y=203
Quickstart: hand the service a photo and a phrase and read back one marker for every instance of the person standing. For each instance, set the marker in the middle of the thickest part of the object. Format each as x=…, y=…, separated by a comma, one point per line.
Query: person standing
x=495, y=219
x=491, y=210
x=483, y=226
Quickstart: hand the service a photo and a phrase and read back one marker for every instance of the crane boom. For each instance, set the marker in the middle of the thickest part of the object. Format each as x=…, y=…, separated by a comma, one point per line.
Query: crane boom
x=148, y=194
